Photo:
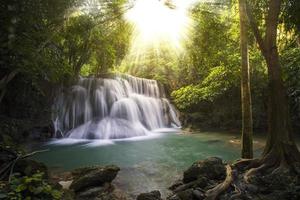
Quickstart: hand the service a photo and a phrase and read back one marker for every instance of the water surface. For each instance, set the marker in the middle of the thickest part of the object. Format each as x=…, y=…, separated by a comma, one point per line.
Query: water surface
x=147, y=163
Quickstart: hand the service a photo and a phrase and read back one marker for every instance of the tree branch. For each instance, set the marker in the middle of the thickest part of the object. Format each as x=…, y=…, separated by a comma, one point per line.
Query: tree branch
x=254, y=27
x=271, y=23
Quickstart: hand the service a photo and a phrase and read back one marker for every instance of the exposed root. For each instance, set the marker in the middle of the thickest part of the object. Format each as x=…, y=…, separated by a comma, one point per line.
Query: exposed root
x=277, y=161
x=244, y=164
x=213, y=193
x=237, y=191
x=253, y=172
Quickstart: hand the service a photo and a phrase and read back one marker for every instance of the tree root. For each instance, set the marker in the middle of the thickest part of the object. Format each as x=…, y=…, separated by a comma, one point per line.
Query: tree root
x=239, y=174
x=244, y=164
x=213, y=193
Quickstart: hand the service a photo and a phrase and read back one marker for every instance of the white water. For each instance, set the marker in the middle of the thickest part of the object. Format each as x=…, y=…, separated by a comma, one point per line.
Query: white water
x=122, y=107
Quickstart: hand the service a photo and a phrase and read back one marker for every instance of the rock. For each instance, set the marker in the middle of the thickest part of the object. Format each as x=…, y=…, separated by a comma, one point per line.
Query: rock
x=93, y=177
x=154, y=195
x=65, y=184
x=40, y=133
x=252, y=188
x=29, y=167
x=94, y=192
x=173, y=197
x=117, y=195
x=198, y=194
x=175, y=185
x=201, y=182
x=185, y=186
x=212, y=168
x=105, y=192
x=186, y=194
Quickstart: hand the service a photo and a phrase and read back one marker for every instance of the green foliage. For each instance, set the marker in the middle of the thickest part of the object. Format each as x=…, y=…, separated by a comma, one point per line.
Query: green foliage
x=31, y=187
x=49, y=41
x=219, y=81
x=30, y=27
x=109, y=45
x=291, y=15
x=291, y=71
x=210, y=84
x=213, y=29
x=159, y=64
x=208, y=70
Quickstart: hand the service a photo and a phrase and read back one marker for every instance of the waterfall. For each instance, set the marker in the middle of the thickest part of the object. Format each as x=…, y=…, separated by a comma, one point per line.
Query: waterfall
x=111, y=108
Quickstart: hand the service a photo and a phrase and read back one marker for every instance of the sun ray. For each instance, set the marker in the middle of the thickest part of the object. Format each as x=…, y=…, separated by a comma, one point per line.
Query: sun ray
x=156, y=25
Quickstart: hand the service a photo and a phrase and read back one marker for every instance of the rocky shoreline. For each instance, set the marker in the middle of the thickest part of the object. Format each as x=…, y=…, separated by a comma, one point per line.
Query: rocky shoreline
x=97, y=182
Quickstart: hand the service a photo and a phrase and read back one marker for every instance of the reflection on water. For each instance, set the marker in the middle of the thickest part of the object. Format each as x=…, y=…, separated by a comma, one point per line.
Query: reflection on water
x=147, y=163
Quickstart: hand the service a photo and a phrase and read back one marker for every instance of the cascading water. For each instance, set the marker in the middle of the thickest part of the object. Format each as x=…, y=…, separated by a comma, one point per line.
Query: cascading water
x=121, y=107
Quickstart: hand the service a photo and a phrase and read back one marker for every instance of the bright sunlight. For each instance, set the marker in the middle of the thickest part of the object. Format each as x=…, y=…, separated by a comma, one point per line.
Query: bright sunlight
x=159, y=23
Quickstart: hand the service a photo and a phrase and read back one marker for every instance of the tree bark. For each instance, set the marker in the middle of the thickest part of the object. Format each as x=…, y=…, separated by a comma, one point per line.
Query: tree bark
x=280, y=149
x=247, y=130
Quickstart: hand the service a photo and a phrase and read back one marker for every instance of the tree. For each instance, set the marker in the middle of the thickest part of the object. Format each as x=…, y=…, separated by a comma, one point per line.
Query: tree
x=247, y=131
x=76, y=41
x=280, y=150
x=280, y=153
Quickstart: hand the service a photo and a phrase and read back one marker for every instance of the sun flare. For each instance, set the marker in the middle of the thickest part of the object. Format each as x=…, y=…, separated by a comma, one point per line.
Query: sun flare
x=158, y=23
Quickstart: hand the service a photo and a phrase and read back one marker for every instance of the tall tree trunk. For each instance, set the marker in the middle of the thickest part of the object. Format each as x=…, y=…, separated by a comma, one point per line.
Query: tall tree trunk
x=247, y=130
x=280, y=153
x=280, y=150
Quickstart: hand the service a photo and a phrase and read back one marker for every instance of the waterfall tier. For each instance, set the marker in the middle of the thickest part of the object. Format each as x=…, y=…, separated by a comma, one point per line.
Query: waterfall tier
x=121, y=107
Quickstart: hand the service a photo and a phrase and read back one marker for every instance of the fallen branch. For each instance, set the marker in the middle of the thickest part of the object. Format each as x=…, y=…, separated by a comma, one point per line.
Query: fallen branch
x=10, y=166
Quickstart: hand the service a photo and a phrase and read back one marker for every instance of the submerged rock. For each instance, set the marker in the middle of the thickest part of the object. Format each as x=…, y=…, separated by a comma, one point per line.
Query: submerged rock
x=212, y=168
x=154, y=195
x=93, y=177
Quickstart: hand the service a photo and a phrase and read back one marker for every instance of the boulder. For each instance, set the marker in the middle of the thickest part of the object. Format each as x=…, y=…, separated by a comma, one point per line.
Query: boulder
x=91, y=193
x=154, y=195
x=175, y=185
x=211, y=168
x=186, y=194
x=198, y=194
x=93, y=177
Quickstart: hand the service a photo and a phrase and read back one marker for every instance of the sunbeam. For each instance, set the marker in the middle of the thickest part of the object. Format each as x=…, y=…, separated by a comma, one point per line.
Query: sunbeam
x=156, y=25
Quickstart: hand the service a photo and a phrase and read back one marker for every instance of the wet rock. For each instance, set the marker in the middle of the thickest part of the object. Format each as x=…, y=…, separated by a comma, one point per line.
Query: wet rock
x=186, y=194
x=173, y=197
x=197, y=194
x=105, y=192
x=93, y=177
x=201, y=182
x=175, y=185
x=91, y=193
x=212, y=168
x=154, y=195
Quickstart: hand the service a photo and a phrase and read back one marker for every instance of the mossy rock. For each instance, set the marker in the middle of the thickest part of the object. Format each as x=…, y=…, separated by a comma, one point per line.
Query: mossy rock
x=93, y=177
x=211, y=168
